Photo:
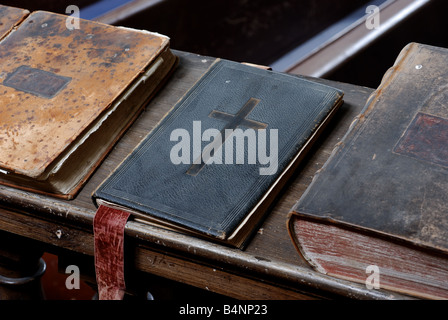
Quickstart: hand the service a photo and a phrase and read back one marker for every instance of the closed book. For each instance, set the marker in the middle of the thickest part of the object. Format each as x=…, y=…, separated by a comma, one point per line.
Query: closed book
x=215, y=162
x=69, y=89
x=377, y=211
x=10, y=17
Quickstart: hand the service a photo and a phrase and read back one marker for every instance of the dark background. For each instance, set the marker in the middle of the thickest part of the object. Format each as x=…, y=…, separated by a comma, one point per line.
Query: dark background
x=261, y=31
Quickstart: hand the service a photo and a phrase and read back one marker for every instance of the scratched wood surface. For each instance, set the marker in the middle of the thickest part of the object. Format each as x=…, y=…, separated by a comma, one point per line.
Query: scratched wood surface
x=269, y=268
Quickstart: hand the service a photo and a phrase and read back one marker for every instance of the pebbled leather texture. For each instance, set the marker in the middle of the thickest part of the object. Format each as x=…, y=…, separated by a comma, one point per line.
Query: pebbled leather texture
x=215, y=200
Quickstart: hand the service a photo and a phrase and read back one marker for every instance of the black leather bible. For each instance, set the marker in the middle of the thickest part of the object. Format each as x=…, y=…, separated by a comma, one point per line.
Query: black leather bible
x=215, y=162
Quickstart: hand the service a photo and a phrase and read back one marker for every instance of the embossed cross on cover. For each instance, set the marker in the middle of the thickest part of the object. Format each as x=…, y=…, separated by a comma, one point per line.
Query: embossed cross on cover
x=216, y=161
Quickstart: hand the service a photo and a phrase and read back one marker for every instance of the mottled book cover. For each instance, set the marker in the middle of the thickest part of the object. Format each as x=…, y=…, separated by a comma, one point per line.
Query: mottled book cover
x=56, y=81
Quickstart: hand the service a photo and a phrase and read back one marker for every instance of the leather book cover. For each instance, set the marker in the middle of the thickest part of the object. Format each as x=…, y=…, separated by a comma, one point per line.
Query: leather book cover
x=56, y=83
x=10, y=17
x=389, y=175
x=217, y=159
x=377, y=211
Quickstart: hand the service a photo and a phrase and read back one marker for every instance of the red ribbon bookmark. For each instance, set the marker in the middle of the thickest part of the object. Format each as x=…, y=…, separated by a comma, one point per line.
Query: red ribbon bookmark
x=108, y=229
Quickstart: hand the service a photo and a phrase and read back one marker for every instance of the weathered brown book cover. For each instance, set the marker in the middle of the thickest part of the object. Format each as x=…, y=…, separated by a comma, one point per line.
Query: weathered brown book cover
x=67, y=94
x=387, y=181
x=9, y=18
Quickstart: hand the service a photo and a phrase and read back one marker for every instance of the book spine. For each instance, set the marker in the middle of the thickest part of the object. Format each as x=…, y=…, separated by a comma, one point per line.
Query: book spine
x=388, y=76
